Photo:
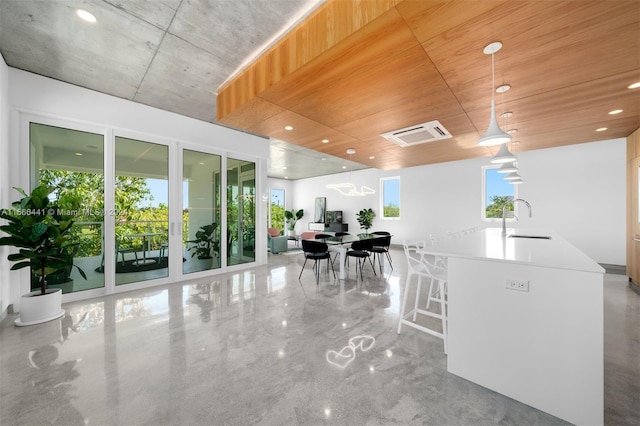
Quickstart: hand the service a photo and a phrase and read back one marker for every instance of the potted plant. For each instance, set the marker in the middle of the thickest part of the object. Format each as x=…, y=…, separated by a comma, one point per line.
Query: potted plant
x=203, y=243
x=365, y=219
x=41, y=230
x=292, y=217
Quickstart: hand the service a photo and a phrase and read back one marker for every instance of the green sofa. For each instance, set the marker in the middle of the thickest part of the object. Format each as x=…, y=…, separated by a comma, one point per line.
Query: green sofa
x=277, y=244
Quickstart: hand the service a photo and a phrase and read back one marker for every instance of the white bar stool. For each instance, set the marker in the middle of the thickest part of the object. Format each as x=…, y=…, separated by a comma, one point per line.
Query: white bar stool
x=419, y=266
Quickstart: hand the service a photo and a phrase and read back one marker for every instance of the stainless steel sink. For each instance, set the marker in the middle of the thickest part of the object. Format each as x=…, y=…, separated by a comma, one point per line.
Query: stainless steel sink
x=541, y=237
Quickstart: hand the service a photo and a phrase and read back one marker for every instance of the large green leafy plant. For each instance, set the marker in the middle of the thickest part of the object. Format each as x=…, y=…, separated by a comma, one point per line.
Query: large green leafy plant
x=204, y=242
x=42, y=232
x=293, y=217
x=365, y=218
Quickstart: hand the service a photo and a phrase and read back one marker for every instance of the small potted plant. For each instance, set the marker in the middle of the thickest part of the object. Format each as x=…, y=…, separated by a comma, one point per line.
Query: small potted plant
x=203, y=243
x=41, y=230
x=292, y=217
x=365, y=219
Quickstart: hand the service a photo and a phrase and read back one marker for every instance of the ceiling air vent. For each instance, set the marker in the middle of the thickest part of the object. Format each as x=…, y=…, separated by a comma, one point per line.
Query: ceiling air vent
x=420, y=133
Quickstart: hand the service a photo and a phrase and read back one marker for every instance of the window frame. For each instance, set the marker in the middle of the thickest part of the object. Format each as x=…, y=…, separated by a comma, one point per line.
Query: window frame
x=483, y=198
x=382, y=198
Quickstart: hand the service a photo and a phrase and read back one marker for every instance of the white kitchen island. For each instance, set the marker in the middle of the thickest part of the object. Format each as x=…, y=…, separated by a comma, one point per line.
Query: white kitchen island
x=542, y=346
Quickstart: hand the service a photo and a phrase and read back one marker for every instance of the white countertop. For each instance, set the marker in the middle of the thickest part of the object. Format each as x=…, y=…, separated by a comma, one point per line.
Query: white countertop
x=489, y=244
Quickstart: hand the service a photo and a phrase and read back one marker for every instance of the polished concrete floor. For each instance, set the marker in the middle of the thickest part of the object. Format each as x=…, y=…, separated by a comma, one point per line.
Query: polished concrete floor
x=262, y=347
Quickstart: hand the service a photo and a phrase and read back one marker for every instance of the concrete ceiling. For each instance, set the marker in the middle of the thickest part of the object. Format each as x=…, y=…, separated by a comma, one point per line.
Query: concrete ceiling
x=176, y=54
x=169, y=54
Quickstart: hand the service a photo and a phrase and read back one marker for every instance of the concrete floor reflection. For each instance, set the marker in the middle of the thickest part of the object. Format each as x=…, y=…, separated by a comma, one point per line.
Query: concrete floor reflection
x=250, y=347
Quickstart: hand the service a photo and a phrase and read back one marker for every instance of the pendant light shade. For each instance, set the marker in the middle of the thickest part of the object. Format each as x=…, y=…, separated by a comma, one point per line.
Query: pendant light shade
x=503, y=156
x=507, y=168
x=512, y=176
x=517, y=181
x=494, y=134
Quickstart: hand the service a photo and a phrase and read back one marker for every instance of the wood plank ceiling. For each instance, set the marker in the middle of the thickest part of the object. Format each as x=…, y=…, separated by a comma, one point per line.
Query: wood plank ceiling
x=355, y=70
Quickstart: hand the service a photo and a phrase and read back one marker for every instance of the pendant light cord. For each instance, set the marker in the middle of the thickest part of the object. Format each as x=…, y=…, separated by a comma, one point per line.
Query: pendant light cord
x=493, y=80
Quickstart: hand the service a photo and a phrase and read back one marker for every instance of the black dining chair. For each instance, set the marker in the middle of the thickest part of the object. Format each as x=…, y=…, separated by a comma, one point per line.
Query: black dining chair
x=361, y=250
x=316, y=251
x=380, y=247
x=323, y=238
x=341, y=234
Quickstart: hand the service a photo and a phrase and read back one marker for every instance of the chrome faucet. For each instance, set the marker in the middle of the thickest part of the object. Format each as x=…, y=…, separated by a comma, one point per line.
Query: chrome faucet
x=504, y=212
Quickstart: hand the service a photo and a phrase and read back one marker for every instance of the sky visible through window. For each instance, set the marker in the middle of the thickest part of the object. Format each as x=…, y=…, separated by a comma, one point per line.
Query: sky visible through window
x=160, y=192
x=277, y=197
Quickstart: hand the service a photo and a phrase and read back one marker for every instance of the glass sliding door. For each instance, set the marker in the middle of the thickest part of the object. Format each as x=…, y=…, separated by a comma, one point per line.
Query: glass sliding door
x=201, y=216
x=142, y=210
x=241, y=211
x=73, y=162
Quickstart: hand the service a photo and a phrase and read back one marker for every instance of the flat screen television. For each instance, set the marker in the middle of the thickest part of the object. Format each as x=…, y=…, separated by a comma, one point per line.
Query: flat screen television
x=334, y=216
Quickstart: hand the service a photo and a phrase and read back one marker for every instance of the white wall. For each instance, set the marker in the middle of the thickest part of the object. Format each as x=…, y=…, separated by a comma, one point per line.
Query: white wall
x=36, y=95
x=5, y=187
x=577, y=190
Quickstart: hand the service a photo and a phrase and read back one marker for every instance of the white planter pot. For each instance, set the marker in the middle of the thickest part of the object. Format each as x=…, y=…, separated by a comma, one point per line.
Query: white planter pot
x=202, y=264
x=291, y=233
x=36, y=308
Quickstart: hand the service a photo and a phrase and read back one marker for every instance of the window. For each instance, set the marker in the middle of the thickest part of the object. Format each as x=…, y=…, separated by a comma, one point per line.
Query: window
x=390, y=197
x=276, y=212
x=495, y=193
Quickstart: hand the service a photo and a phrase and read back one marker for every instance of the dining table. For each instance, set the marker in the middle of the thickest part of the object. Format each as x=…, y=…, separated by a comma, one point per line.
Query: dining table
x=341, y=244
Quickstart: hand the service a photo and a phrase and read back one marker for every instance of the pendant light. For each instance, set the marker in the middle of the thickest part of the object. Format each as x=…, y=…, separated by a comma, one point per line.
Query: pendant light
x=503, y=156
x=512, y=176
x=494, y=134
x=507, y=168
x=348, y=188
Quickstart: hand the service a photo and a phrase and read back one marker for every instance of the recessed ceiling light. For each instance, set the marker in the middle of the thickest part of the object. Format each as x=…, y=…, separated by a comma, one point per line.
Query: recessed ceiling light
x=286, y=177
x=284, y=168
x=324, y=158
x=372, y=157
x=503, y=88
x=79, y=154
x=344, y=167
x=325, y=140
x=85, y=16
x=634, y=85
x=615, y=111
x=506, y=114
x=201, y=163
x=601, y=129
x=512, y=131
x=288, y=128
